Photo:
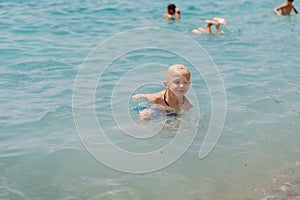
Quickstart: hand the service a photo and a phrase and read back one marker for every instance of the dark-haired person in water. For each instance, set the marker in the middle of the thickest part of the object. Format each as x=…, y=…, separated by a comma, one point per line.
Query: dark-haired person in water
x=171, y=11
x=286, y=8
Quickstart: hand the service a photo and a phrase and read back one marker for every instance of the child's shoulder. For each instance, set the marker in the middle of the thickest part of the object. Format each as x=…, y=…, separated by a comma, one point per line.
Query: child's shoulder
x=156, y=97
x=187, y=105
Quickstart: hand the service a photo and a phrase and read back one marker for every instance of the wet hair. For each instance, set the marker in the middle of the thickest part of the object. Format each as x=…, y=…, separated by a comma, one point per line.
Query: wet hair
x=171, y=7
x=178, y=69
x=291, y=0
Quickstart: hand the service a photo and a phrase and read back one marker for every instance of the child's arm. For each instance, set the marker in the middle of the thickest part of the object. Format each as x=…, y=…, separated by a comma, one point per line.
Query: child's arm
x=187, y=104
x=145, y=114
x=151, y=97
x=138, y=96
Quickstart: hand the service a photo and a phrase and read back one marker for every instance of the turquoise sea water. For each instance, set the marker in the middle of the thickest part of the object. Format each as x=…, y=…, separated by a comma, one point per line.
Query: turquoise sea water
x=43, y=45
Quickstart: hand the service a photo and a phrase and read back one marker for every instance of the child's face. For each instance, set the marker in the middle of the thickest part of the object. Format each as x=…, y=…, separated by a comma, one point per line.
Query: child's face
x=178, y=82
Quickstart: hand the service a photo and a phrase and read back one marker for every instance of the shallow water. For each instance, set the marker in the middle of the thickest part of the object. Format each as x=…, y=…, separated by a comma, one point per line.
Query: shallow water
x=43, y=45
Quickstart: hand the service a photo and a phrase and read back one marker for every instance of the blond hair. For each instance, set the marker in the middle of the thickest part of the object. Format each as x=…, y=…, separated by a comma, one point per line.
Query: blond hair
x=179, y=69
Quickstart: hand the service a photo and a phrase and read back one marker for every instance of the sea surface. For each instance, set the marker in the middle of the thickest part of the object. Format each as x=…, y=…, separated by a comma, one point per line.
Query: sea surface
x=45, y=44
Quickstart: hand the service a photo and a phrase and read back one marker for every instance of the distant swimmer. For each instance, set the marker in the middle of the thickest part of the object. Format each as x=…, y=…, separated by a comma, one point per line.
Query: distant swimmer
x=286, y=8
x=172, y=100
x=171, y=11
x=217, y=21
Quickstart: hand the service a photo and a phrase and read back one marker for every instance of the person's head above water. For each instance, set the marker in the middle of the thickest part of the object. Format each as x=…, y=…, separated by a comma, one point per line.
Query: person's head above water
x=172, y=12
x=178, y=70
x=178, y=79
x=171, y=9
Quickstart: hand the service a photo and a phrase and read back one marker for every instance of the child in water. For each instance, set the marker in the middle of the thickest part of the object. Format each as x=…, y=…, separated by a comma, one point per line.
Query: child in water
x=171, y=10
x=286, y=8
x=172, y=100
x=209, y=23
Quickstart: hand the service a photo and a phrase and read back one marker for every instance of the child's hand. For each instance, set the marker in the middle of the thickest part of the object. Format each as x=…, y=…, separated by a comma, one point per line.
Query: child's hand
x=137, y=96
x=177, y=11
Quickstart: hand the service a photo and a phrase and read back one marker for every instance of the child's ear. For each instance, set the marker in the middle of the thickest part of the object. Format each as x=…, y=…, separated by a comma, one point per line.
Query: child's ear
x=166, y=84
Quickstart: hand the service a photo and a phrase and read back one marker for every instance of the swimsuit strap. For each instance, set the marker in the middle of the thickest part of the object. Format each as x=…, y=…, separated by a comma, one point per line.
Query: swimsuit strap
x=167, y=102
x=165, y=98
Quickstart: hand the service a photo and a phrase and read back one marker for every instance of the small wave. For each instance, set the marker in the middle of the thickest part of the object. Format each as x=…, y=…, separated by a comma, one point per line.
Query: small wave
x=33, y=65
x=124, y=193
x=60, y=113
x=11, y=193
